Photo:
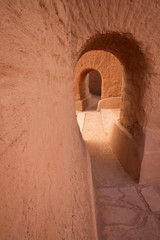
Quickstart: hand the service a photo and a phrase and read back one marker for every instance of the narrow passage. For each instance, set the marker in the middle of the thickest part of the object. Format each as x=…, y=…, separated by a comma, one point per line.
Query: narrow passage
x=122, y=212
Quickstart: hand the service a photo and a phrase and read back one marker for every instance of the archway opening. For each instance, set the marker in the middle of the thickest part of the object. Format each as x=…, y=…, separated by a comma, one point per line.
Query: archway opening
x=95, y=85
x=127, y=135
x=98, y=74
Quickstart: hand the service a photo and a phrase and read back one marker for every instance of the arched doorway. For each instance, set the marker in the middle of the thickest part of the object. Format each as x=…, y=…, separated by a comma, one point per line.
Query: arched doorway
x=109, y=68
x=93, y=83
x=127, y=135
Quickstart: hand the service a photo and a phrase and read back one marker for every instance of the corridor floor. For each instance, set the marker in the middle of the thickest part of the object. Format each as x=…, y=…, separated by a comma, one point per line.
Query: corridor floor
x=125, y=210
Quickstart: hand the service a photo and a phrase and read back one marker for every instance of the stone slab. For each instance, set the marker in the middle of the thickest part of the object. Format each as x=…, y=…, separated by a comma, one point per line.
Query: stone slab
x=151, y=195
x=119, y=215
x=131, y=196
x=147, y=230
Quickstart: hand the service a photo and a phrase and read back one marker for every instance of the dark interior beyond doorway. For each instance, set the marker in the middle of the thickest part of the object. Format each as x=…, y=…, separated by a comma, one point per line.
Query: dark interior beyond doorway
x=95, y=83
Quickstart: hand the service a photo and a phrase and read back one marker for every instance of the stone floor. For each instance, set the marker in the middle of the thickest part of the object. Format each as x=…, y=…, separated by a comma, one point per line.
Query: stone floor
x=125, y=209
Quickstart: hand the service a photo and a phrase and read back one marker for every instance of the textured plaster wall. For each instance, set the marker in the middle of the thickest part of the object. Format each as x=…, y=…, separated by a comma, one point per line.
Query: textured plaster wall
x=45, y=178
x=44, y=173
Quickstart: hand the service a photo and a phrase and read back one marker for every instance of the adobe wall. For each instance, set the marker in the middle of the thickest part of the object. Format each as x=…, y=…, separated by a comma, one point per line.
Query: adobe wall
x=45, y=178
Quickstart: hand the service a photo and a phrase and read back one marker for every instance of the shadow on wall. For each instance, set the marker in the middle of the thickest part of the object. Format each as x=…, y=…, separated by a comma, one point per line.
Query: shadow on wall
x=132, y=116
